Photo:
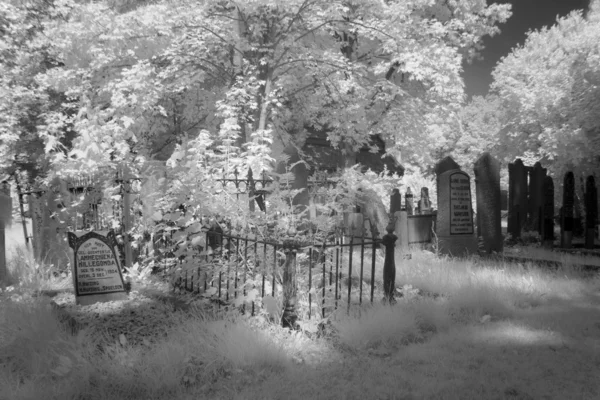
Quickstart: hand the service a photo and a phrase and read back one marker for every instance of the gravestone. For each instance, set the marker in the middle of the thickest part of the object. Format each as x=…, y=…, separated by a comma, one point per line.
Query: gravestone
x=517, y=198
x=373, y=208
x=353, y=222
x=454, y=225
x=96, y=265
x=424, y=202
x=487, y=180
x=591, y=211
x=408, y=198
x=504, y=200
x=548, y=213
x=566, y=225
x=5, y=221
x=536, y=195
x=401, y=229
x=395, y=201
x=578, y=228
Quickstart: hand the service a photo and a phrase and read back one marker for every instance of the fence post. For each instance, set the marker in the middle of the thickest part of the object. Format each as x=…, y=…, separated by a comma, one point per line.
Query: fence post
x=290, y=316
x=389, y=265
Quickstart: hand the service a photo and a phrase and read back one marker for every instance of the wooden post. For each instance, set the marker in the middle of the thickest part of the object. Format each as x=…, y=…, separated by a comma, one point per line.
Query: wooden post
x=290, y=316
x=389, y=265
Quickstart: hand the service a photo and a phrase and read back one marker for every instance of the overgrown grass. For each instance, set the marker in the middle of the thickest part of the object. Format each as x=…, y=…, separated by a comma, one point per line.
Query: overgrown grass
x=450, y=314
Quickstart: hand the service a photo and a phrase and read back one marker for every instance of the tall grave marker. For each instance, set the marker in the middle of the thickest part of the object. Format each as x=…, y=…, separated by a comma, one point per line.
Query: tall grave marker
x=548, y=213
x=566, y=216
x=5, y=220
x=517, y=197
x=455, y=214
x=96, y=267
x=536, y=196
x=487, y=179
x=591, y=211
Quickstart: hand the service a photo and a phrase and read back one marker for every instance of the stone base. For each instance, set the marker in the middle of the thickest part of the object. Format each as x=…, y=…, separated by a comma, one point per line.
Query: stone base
x=458, y=245
x=100, y=298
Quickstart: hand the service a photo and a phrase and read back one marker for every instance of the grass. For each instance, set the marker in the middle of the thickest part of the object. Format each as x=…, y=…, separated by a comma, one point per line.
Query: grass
x=474, y=329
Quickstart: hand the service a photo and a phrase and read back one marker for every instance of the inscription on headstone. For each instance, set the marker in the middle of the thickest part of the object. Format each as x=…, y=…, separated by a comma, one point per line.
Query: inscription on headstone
x=461, y=215
x=487, y=179
x=96, y=267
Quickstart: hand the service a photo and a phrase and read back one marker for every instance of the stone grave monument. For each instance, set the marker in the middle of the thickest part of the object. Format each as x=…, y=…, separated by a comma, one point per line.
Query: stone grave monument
x=96, y=267
x=591, y=211
x=454, y=224
x=548, y=213
x=424, y=204
x=487, y=180
x=517, y=198
x=566, y=225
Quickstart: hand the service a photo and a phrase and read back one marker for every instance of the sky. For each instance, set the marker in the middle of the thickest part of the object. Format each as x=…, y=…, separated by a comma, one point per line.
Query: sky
x=527, y=15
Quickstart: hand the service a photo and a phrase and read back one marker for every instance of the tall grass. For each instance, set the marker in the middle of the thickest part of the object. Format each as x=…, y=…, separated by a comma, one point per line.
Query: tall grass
x=24, y=271
x=40, y=359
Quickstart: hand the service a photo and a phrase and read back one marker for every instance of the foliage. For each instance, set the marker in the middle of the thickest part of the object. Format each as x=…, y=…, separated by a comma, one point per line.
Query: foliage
x=141, y=76
x=548, y=92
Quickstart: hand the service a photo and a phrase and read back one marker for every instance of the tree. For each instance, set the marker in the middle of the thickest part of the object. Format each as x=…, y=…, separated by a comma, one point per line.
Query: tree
x=29, y=107
x=256, y=74
x=550, y=97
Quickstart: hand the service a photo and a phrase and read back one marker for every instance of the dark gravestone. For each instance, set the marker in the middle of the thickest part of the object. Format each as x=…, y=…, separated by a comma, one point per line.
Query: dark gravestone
x=96, y=267
x=577, y=217
x=446, y=164
x=504, y=200
x=566, y=225
x=536, y=195
x=487, y=180
x=408, y=197
x=591, y=211
x=454, y=225
x=548, y=213
x=395, y=202
x=517, y=197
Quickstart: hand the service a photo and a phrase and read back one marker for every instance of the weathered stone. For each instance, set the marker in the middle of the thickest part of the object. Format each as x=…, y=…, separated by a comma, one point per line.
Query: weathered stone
x=517, y=198
x=424, y=202
x=454, y=224
x=504, y=200
x=96, y=267
x=566, y=226
x=408, y=198
x=591, y=211
x=487, y=180
x=395, y=201
x=548, y=213
x=536, y=195
x=401, y=229
x=372, y=208
x=447, y=164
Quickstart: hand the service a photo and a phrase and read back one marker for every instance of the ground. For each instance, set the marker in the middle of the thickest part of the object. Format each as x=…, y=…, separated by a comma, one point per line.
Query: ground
x=463, y=329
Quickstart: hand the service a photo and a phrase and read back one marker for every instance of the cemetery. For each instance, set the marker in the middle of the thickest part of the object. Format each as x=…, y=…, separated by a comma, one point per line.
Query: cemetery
x=292, y=200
